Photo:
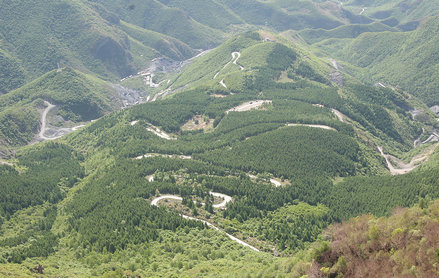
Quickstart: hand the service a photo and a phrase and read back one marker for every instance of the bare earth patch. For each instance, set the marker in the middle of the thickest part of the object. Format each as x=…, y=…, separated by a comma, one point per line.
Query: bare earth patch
x=398, y=167
x=218, y=96
x=249, y=105
x=198, y=122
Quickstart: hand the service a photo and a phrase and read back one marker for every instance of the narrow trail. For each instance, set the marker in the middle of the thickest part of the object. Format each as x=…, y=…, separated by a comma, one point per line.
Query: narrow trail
x=433, y=137
x=235, y=58
x=340, y=116
x=6, y=163
x=226, y=198
x=334, y=64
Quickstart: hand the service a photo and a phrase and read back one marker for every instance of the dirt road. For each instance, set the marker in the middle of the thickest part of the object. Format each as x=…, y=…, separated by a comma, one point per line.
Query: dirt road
x=160, y=133
x=6, y=163
x=235, y=58
x=315, y=126
x=246, y=106
x=223, y=84
x=226, y=198
x=44, y=121
x=403, y=168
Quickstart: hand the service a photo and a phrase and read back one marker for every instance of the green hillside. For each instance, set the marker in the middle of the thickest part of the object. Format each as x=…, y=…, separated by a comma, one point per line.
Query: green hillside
x=403, y=60
x=172, y=21
x=78, y=97
x=290, y=158
x=89, y=38
x=306, y=153
x=405, y=13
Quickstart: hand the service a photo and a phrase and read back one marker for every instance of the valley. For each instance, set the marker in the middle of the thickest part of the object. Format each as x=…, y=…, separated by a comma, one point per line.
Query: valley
x=166, y=138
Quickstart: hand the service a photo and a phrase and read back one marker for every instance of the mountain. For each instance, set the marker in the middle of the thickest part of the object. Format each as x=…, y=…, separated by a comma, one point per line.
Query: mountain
x=403, y=14
x=37, y=38
x=403, y=60
x=206, y=138
x=78, y=97
x=245, y=139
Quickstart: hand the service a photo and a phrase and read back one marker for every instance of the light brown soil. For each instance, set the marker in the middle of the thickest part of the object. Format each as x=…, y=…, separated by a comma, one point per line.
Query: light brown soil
x=197, y=123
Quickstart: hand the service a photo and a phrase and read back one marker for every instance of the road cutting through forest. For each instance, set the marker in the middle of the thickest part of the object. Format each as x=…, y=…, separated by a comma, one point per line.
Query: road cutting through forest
x=235, y=58
x=44, y=121
x=44, y=128
x=403, y=168
x=223, y=204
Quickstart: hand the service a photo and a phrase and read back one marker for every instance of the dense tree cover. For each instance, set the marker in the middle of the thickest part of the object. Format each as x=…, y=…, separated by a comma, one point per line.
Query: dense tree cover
x=275, y=15
x=18, y=125
x=283, y=111
x=47, y=168
x=67, y=42
x=128, y=218
x=306, y=71
x=291, y=152
x=12, y=74
x=80, y=97
x=377, y=195
x=404, y=244
x=256, y=199
x=291, y=227
x=386, y=60
x=346, y=31
x=38, y=241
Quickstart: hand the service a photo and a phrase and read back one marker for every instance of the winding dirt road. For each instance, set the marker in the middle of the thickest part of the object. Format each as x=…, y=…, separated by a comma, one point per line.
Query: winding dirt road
x=340, y=116
x=148, y=155
x=44, y=121
x=403, y=168
x=60, y=131
x=235, y=58
x=226, y=198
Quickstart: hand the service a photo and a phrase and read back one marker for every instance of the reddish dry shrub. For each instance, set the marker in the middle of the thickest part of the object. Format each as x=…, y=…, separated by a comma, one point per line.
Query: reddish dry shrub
x=403, y=245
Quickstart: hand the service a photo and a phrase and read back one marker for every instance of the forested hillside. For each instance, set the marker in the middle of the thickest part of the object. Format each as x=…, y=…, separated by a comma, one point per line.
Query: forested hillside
x=40, y=37
x=78, y=98
x=220, y=138
x=386, y=60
